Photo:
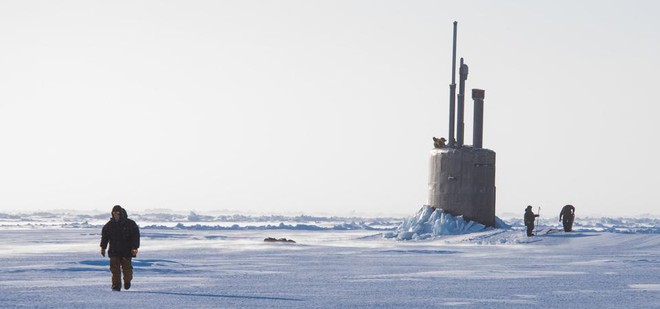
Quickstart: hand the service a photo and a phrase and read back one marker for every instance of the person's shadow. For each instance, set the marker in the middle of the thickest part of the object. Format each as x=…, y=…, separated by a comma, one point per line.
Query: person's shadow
x=217, y=295
x=568, y=235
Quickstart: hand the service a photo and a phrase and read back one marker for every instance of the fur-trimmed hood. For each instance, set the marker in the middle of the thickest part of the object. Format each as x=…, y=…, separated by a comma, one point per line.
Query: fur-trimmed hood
x=122, y=213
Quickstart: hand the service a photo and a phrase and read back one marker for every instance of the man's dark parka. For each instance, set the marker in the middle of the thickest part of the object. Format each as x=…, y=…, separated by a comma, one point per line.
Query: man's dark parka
x=123, y=236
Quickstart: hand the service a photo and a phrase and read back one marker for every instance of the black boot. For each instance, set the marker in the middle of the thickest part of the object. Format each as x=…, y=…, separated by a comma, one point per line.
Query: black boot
x=127, y=285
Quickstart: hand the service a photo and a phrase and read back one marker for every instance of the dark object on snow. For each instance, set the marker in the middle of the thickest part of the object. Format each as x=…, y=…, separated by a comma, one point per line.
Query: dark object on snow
x=530, y=217
x=271, y=239
x=439, y=142
x=567, y=216
x=123, y=235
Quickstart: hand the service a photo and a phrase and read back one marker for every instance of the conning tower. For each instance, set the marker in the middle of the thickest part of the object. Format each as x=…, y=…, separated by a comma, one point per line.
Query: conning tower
x=462, y=177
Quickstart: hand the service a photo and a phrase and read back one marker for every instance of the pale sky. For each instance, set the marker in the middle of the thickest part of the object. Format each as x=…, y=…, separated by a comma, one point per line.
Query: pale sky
x=323, y=107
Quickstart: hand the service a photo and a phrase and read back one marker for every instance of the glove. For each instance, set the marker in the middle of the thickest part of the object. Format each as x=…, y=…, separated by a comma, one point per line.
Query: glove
x=102, y=252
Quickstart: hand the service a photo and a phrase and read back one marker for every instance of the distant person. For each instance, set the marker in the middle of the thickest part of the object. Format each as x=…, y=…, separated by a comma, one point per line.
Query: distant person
x=567, y=216
x=530, y=217
x=124, y=237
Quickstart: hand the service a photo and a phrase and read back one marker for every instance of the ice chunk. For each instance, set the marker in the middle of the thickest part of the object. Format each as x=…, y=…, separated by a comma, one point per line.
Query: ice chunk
x=429, y=222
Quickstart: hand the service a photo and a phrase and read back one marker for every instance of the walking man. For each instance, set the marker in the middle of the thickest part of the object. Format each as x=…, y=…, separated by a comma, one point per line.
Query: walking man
x=566, y=216
x=530, y=217
x=124, y=237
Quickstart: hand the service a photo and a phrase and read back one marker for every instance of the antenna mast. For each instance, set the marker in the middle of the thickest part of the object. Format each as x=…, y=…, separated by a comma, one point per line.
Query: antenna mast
x=452, y=93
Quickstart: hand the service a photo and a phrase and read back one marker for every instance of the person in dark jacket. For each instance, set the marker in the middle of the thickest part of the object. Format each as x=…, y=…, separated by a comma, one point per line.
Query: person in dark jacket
x=530, y=217
x=123, y=235
x=567, y=216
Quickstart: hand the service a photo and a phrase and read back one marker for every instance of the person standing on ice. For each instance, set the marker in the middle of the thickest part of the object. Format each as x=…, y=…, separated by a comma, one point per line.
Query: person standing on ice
x=566, y=216
x=123, y=235
x=530, y=217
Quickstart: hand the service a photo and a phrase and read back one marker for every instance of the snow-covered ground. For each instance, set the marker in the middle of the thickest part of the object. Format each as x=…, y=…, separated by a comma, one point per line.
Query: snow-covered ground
x=195, y=261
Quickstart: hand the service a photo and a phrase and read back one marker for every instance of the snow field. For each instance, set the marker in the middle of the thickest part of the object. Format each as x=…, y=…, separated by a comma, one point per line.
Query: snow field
x=58, y=268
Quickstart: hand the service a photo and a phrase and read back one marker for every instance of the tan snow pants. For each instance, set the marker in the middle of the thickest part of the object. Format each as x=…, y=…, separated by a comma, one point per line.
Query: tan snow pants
x=117, y=264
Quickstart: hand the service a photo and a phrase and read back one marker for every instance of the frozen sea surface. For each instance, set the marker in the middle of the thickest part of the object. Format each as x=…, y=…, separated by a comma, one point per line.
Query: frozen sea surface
x=62, y=268
x=605, y=263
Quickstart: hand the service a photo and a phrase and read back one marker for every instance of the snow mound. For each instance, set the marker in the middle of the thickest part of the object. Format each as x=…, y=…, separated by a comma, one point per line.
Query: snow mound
x=429, y=222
